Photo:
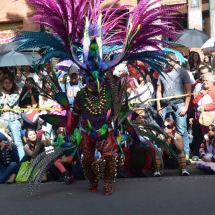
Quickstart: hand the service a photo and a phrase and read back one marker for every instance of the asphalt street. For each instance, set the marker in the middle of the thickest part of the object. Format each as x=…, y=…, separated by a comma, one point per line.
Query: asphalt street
x=165, y=195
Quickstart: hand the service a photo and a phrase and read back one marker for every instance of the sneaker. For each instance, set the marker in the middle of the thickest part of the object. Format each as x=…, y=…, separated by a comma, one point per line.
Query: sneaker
x=184, y=172
x=157, y=174
x=195, y=158
x=68, y=178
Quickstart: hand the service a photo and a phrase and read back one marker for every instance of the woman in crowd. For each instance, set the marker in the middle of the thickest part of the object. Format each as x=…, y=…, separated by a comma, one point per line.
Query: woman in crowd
x=24, y=100
x=46, y=103
x=205, y=100
x=35, y=145
x=10, y=100
x=175, y=141
x=195, y=61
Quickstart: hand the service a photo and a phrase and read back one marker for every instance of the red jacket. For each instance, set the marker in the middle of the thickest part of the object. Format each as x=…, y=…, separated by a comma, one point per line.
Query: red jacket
x=210, y=106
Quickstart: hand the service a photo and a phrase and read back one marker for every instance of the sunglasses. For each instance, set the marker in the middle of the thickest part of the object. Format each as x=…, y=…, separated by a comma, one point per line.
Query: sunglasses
x=167, y=126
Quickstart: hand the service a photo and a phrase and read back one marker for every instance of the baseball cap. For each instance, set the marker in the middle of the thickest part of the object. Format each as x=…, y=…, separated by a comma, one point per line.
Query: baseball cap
x=73, y=69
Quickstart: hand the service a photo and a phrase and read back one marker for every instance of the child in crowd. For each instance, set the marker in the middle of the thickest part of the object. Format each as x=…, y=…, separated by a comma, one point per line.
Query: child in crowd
x=207, y=151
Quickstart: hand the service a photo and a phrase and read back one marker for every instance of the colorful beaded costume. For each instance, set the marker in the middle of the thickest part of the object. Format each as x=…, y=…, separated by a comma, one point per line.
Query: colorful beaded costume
x=90, y=37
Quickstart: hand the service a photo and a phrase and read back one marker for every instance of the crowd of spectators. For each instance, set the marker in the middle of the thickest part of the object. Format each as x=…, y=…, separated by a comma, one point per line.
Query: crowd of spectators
x=178, y=116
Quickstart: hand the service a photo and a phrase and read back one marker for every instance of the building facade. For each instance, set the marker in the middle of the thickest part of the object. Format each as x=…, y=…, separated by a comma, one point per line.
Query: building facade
x=15, y=15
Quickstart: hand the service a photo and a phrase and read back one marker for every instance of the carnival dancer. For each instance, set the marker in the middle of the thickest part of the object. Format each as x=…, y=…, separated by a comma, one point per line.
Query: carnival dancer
x=82, y=28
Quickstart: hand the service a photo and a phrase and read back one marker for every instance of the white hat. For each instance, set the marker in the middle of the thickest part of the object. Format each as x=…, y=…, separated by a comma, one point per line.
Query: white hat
x=73, y=69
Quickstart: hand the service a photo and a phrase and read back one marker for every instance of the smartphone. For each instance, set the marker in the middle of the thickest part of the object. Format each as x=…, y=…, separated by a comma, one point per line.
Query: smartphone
x=39, y=134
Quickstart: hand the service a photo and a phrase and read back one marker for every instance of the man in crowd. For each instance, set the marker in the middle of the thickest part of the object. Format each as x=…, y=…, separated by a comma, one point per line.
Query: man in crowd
x=175, y=81
x=73, y=86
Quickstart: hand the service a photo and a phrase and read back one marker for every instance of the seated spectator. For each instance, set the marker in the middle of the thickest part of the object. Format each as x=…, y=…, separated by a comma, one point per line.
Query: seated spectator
x=175, y=141
x=10, y=100
x=35, y=145
x=24, y=100
x=137, y=161
x=205, y=100
x=64, y=161
x=8, y=157
x=207, y=151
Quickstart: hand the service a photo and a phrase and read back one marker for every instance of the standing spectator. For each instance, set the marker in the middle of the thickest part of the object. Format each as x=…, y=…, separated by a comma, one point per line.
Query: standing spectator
x=198, y=85
x=10, y=100
x=73, y=86
x=205, y=100
x=46, y=103
x=207, y=60
x=8, y=157
x=175, y=81
x=193, y=115
x=18, y=79
x=24, y=100
x=195, y=61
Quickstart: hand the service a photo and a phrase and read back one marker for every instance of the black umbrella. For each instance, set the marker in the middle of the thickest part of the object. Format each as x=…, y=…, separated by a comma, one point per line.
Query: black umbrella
x=192, y=38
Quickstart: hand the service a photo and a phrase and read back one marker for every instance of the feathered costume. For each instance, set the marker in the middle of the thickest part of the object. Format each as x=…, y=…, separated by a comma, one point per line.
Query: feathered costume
x=84, y=33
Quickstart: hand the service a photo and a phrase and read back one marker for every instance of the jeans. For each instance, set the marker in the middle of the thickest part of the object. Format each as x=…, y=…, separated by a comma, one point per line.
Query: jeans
x=181, y=122
x=7, y=171
x=15, y=128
